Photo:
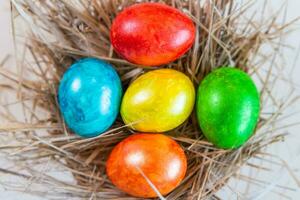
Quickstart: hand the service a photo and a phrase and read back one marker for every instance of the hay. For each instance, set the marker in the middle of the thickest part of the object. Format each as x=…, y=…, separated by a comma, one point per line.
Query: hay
x=61, y=31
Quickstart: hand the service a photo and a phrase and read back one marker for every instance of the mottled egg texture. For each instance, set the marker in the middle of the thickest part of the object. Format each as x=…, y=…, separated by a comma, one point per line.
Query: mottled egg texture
x=152, y=34
x=228, y=107
x=154, y=156
x=89, y=96
x=158, y=101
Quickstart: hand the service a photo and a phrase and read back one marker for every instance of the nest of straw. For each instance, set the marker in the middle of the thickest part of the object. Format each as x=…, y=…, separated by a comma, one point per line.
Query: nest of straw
x=59, y=32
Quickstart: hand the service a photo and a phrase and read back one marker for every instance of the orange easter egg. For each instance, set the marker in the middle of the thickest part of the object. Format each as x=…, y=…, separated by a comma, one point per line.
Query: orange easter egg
x=141, y=157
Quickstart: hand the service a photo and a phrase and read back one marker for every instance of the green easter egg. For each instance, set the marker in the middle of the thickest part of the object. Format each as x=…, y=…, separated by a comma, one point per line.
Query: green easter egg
x=227, y=107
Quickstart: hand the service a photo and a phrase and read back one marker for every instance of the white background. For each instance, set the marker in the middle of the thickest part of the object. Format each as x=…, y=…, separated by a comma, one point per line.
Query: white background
x=289, y=151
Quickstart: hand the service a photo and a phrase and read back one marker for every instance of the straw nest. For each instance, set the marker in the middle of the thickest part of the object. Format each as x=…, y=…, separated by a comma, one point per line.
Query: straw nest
x=44, y=153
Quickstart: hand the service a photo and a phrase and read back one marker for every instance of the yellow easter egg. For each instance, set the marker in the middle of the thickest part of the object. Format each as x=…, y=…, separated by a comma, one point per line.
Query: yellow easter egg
x=158, y=101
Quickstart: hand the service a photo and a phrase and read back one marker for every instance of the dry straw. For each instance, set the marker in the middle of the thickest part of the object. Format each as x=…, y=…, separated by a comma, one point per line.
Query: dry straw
x=44, y=152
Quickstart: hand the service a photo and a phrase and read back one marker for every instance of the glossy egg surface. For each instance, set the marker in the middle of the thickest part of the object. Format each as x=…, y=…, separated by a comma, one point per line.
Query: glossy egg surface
x=155, y=156
x=152, y=34
x=89, y=96
x=158, y=101
x=228, y=107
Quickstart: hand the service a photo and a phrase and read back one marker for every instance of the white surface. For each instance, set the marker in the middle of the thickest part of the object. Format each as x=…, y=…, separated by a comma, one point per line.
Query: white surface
x=289, y=151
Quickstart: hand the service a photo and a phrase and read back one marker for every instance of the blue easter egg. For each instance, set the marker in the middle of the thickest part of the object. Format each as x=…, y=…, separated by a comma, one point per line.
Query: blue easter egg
x=89, y=96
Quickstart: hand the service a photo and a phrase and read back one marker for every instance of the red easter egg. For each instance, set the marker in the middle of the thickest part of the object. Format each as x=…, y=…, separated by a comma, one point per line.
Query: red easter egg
x=152, y=34
x=155, y=156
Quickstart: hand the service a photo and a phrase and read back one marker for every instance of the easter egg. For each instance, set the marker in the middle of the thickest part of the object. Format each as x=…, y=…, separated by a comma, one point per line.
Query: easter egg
x=158, y=101
x=152, y=34
x=227, y=107
x=89, y=96
x=144, y=158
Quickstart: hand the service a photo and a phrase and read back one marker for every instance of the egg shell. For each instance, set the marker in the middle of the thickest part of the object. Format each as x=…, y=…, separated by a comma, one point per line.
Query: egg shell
x=89, y=96
x=228, y=107
x=155, y=156
x=152, y=34
x=158, y=101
